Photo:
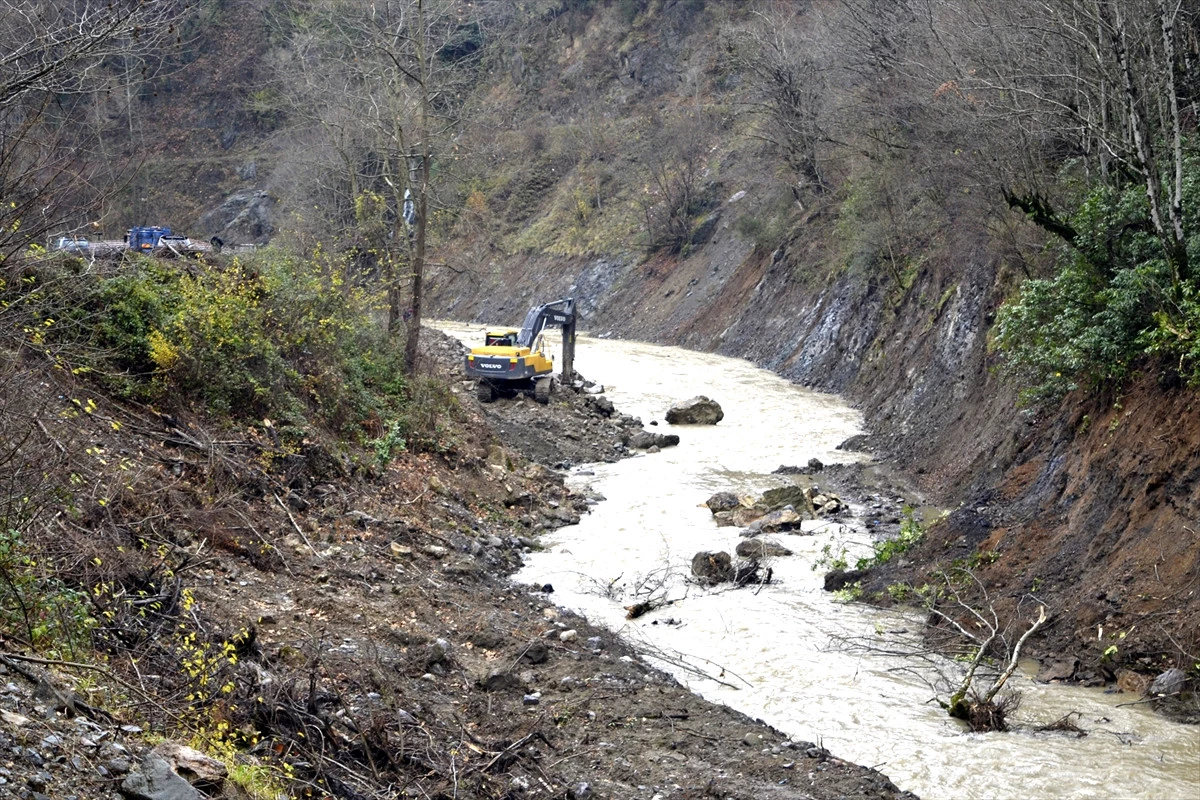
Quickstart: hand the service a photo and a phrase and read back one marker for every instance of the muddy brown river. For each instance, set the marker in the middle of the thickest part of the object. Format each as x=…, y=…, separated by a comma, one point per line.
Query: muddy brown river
x=773, y=652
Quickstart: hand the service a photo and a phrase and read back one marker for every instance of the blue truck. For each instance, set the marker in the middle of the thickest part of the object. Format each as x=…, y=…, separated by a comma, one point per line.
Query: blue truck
x=145, y=239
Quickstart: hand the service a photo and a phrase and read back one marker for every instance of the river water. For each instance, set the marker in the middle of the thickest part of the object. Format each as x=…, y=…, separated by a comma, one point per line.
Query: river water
x=774, y=652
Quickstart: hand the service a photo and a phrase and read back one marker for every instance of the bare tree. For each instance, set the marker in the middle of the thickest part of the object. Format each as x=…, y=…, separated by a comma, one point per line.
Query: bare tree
x=1091, y=79
x=381, y=85
x=677, y=186
x=969, y=651
x=786, y=90
x=54, y=56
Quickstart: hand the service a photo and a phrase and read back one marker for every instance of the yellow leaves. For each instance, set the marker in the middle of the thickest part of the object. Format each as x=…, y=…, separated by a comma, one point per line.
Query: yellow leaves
x=163, y=352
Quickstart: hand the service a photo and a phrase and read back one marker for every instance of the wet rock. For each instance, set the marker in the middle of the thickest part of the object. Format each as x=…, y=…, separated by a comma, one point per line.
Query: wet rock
x=602, y=405
x=644, y=440
x=1169, y=683
x=697, y=411
x=1061, y=670
x=1133, y=682
x=838, y=579
x=785, y=519
x=856, y=444
x=814, y=465
x=761, y=548
x=560, y=517
x=785, y=496
x=739, y=517
x=191, y=764
x=722, y=501
x=155, y=780
x=712, y=568
x=829, y=506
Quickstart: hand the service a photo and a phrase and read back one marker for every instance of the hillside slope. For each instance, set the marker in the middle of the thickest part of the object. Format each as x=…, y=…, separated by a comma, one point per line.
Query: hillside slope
x=811, y=189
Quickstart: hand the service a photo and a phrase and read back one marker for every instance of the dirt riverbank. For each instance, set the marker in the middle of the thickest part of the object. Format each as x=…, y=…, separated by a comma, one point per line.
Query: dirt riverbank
x=370, y=642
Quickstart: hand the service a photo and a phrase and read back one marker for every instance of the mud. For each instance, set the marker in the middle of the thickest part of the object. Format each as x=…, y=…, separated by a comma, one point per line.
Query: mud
x=382, y=650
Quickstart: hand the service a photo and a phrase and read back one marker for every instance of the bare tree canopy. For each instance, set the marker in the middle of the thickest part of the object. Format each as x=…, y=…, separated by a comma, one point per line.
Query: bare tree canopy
x=376, y=91
x=53, y=55
x=58, y=46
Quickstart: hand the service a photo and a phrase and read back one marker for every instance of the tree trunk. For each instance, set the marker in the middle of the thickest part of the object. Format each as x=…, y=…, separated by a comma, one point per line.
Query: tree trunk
x=1114, y=20
x=1175, y=206
x=412, y=344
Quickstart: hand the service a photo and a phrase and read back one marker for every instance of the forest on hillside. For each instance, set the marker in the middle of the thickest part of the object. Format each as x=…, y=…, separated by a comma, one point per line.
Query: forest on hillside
x=1020, y=177
x=580, y=127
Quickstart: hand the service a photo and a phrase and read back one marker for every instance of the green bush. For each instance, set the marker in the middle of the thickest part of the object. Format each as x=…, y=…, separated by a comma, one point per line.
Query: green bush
x=1113, y=305
x=35, y=605
x=911, y=533
x=269, y=336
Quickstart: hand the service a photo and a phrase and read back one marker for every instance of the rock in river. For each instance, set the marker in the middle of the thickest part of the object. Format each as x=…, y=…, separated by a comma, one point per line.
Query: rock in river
x=722, y=501
x=761, y=548
x=697, y=411
x=712, y=567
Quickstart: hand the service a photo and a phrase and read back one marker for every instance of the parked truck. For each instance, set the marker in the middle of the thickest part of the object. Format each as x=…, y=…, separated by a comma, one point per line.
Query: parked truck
x=144, y=239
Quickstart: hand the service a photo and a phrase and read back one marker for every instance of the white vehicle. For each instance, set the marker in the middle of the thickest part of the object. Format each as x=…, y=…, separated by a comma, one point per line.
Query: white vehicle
x=74, y=244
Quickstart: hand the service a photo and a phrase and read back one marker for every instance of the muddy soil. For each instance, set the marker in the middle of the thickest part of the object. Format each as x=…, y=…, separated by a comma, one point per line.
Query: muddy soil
x=1095, y=521
x=382, y=651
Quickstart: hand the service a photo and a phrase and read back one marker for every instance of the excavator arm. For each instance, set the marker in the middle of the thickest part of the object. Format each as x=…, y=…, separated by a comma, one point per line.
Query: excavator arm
x=559, y=314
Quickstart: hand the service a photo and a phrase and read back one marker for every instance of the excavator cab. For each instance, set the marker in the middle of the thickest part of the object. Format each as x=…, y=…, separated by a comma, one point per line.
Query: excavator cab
x=501, y=338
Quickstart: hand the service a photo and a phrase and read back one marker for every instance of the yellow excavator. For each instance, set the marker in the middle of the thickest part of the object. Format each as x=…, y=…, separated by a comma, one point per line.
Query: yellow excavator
x=515, y=361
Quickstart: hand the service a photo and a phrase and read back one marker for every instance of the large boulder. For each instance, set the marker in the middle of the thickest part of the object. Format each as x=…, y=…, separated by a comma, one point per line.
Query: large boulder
x=784, y=519
x=710, y=568
x=722, y=501
x=785, y=496
x=1168, y=683
x=644, y=440
x=827, y=504
x=761, y=548
x=697, y=411
x=191, y=764
x=838, y=579
x=1059, y=671
x=155, y=780
x=739, y=517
